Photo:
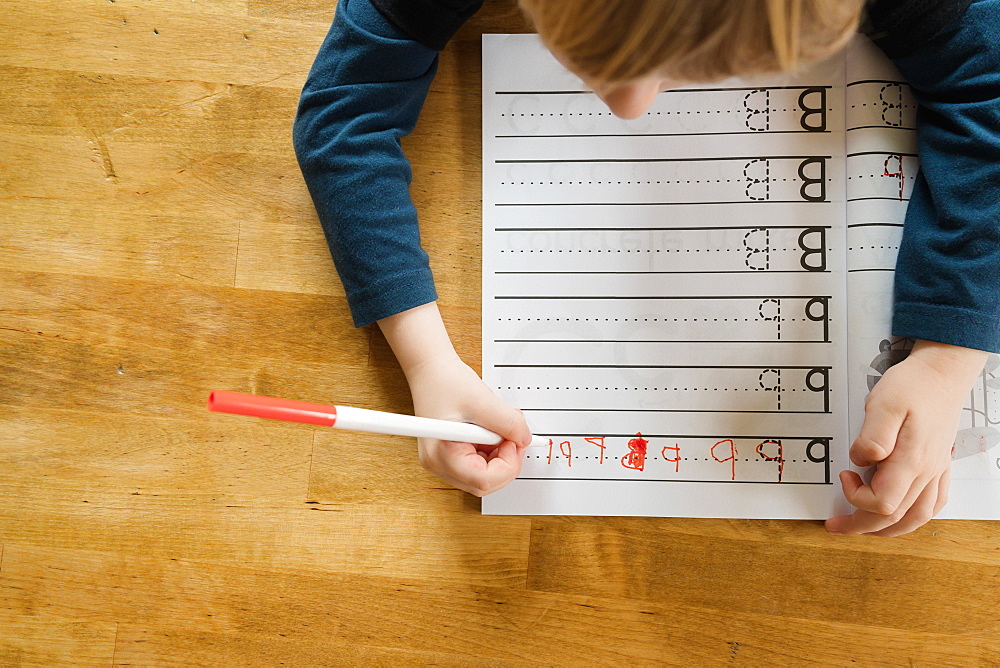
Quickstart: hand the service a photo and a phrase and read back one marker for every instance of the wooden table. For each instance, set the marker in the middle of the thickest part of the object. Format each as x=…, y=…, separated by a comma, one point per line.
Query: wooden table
x=157, y=242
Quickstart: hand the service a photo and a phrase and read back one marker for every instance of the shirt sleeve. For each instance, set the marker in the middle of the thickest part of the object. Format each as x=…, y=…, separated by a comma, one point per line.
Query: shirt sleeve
x=363, y=94
x=430, y=22
x=947, y=286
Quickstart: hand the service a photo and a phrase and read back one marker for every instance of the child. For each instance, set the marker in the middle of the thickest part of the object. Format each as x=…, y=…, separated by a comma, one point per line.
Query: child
x=369, y=82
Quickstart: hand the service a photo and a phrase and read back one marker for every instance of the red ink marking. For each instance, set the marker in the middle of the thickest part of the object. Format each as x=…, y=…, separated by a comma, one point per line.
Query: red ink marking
x=730, y=458
x=566, y=450
x=897, y=174
x=779, y=458
x=636, y=457
x=550, y=452
x=599, y=442
x=676, y=448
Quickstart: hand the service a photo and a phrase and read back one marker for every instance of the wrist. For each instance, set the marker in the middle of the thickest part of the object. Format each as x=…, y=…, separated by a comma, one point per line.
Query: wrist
x=418, y=338
x=953, y=362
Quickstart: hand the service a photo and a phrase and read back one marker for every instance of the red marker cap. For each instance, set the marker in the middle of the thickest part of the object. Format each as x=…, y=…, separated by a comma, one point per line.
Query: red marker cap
x=220, y=401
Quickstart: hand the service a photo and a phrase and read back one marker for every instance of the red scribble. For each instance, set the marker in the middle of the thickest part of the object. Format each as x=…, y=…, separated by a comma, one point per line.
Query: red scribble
x=566, y=450
x=636, y=457
x=599, y=442
x=730, y=458
x=550, y=452
x=780, y=458
x=899, y=174
x=677, y=455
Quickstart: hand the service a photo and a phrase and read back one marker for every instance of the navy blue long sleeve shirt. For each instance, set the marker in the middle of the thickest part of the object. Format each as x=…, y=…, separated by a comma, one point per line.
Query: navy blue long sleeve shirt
x=364, y=93
x=947, y=286
x=371, y=77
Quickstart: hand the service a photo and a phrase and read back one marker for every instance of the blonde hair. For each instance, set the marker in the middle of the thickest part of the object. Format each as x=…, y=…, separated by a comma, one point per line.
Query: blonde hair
x=691, y=40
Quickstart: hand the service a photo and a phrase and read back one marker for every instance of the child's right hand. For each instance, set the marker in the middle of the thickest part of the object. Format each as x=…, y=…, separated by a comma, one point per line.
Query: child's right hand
x=450, y=390
x=444, y=387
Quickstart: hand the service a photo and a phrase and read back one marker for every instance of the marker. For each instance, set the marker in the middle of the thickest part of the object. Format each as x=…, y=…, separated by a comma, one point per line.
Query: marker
x=355, y=419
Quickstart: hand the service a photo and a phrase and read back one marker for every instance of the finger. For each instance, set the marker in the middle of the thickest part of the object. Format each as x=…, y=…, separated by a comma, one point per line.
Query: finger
x=878, y=436
x=504, y=420
x=858, y=522
x=463, y=486
x=889, y=488
x=431, y=459
x=519, y=452
x=847, y=524
x=864, y=520
x=944, y=482
x=919, y=514
x=478, y=475
x=904, y=472
x=850, y=482
x=502, y=467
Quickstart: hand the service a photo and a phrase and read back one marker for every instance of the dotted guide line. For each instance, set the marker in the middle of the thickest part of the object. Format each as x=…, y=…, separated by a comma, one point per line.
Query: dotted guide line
x=640, y=250
x=645, y=319
x=653, y=389
x=651, y=113
x=611, y=459
x=631, y=183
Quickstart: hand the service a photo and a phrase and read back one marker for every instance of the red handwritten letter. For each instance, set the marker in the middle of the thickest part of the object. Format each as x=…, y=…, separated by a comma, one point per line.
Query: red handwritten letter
x=636, y=457
x=599, y=442
x=897, y=174
x=566, y=450
x=676, y=449
x=730, y=458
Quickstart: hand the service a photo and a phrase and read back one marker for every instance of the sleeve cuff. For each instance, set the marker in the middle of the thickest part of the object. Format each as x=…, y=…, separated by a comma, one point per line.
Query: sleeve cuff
x=947, y=324
x=430, y=22
x=392, y=296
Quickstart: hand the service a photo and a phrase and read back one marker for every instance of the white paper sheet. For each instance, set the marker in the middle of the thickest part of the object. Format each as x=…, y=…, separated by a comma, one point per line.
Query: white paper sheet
x=666, y=298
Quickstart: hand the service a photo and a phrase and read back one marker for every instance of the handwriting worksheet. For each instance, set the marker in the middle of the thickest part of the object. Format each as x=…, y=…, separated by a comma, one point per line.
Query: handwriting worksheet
x=692, y=305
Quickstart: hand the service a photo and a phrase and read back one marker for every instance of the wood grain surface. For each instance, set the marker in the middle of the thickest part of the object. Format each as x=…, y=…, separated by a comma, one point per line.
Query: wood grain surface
x=157, y=242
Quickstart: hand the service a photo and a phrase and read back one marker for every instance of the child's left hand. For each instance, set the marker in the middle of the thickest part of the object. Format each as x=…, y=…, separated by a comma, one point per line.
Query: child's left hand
x=911, y=418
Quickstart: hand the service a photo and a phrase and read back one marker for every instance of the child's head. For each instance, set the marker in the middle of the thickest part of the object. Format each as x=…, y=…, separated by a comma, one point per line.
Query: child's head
x=629, y=49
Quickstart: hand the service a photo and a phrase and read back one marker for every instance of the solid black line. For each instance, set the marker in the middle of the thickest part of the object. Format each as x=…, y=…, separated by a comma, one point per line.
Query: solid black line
x=852, y=225
x=719, y=271
x=669, y=134
x=668, y=410
x=543, y=92
x=697, y=436
x=882, y=127
x=660, y=229
x=662, y=297
x=755, y=157
x=882, y=81
x=851, y=271
x=658, y=366
x=651, y=341
x=746, y=201
x=893, y=199
x=909, y=155
x=675, y=90
x=731, y=482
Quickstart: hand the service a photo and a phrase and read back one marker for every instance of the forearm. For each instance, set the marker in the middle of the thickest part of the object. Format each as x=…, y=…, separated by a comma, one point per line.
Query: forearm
x=947, y=285
x=418, y=338
x=956, y=366
x=363, y=94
